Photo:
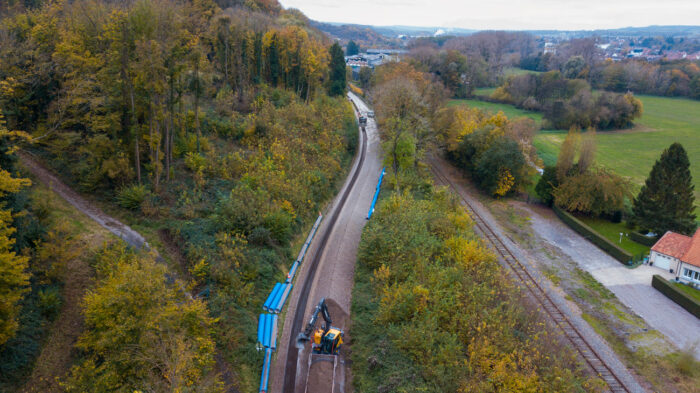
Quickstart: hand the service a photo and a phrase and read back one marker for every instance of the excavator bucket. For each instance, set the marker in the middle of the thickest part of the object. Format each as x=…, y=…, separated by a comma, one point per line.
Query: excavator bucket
x=302, y=339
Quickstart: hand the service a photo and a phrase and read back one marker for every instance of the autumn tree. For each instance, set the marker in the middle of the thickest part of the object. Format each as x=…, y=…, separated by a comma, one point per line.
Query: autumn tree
x=666, y=201
x=142, y=333
x=597, y=192
x=567, y=154
x=14, y=278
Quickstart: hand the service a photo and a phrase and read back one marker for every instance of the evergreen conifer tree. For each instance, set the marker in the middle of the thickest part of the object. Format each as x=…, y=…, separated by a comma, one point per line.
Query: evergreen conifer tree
x=666, y=201
x=338, y=78
x=352, y=48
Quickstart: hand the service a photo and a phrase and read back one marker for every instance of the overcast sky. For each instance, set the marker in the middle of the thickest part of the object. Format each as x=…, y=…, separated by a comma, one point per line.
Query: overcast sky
x=504, y=14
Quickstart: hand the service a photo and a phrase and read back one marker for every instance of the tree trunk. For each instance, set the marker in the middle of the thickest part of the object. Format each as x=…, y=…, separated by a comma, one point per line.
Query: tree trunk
x=196, y=103
x=134, y=124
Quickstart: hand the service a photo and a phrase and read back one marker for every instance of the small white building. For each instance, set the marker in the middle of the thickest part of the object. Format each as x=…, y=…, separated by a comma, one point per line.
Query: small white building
x=680, y=255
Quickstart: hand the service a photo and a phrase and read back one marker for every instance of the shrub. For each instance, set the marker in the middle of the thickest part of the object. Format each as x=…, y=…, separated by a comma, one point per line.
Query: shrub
x=260, y=236
x=546, y=185
x=131, y=197
x=50, y=302
x=641, y=239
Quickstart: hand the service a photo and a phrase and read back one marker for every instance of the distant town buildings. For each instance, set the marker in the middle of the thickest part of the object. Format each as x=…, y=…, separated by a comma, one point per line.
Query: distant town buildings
x=372, y=58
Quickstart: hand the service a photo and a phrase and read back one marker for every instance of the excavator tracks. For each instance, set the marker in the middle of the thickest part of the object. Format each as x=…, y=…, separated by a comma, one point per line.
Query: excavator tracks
x=583, y=347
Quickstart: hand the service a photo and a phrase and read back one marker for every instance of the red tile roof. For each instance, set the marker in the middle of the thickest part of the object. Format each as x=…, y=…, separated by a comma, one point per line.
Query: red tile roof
x=672, y=244
x=692, y=256
x=682, y=247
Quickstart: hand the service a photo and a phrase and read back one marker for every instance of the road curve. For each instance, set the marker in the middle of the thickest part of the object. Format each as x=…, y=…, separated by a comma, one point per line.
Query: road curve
x=329, y=267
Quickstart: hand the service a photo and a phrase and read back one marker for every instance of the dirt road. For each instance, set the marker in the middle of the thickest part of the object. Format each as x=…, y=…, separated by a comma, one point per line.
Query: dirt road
x=336, y=264
x=123, y=231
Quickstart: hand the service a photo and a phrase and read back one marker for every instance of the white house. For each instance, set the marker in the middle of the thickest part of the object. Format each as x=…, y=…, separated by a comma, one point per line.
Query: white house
x=680, y=255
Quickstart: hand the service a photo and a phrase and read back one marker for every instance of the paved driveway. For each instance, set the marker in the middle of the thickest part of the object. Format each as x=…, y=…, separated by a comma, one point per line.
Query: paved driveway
x=631, y=286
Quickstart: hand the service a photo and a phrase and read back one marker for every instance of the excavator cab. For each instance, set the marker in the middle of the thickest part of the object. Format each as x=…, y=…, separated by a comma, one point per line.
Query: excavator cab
x=328, y=344
x=326, y=340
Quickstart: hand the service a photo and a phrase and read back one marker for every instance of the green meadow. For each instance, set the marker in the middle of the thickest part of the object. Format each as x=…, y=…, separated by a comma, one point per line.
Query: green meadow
x=633, y=152
x=630, y=152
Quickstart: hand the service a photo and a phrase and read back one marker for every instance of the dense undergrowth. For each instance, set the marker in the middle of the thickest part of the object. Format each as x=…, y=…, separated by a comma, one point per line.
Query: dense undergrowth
x=432, y=310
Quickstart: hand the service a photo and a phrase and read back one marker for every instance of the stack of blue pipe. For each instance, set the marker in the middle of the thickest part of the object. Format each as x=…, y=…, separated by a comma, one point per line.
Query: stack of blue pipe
x=275, y=301
x=267, y=323
x=267, y=339
x=376, y=193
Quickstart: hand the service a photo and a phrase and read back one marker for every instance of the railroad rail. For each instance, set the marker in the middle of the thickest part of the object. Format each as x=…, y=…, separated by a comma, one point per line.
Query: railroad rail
x=582, y=346
x=290, y=370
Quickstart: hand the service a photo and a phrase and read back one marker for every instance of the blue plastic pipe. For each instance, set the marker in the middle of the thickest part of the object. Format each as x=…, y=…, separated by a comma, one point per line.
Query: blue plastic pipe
x=376, y=193
x=278, y=307
x=261, y=329
x=309, y=238
x=273, y=333
x=264, y=378
x=266, y=339
x=292, y=272
x=271, y=297
x=277, y=298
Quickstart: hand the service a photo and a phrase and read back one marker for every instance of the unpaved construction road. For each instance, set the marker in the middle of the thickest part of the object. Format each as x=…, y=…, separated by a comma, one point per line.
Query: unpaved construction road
x=329, y=268
x=45, y=176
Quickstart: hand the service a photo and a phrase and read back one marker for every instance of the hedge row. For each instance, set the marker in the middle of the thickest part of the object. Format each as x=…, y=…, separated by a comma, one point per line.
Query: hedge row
x=589, y=233
x=641, y=239
x=673, y=293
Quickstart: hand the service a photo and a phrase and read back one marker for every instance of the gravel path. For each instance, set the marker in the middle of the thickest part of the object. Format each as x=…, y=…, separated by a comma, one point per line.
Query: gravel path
x=113, y=225
x=336, y=269
x=631, y=286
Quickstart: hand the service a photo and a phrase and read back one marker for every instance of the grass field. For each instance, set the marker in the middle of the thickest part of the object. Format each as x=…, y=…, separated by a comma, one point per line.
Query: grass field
x=484, y=91
x=611, y=231
x=509, y=110
x=633, y=152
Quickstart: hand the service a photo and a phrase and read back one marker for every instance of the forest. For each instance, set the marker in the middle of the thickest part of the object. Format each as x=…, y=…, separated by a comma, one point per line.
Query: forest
x=218, y=129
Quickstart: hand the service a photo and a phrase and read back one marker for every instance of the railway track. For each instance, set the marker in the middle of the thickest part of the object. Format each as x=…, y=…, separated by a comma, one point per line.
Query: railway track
x=583, y=347
x=290, y=370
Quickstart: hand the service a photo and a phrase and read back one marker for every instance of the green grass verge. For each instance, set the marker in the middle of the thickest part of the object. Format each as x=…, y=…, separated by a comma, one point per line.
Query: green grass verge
x=611, y=231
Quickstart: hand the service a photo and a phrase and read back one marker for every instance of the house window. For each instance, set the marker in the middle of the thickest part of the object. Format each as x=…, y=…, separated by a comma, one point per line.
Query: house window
x=688, y=273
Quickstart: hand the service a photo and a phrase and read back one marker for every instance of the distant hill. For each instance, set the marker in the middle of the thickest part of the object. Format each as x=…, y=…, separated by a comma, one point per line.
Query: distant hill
x=367, y=35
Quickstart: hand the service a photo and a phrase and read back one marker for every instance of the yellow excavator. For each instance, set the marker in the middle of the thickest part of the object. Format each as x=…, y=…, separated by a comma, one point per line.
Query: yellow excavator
x=327, y=340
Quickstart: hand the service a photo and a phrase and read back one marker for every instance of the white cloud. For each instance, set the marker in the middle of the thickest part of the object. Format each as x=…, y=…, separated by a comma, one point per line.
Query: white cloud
x=504, y=14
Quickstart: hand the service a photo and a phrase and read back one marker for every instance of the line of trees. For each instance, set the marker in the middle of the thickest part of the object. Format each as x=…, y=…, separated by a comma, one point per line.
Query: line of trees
x=569, y=103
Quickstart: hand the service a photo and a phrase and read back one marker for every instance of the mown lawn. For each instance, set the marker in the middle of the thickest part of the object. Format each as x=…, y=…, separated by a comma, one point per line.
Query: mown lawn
x=633, y=152
x=692, y=292
x=509, y=110
x=611, y=231
x=484, y=91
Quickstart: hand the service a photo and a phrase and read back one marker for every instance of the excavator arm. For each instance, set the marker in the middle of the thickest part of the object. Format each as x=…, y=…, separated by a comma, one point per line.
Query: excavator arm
x=322, y=309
